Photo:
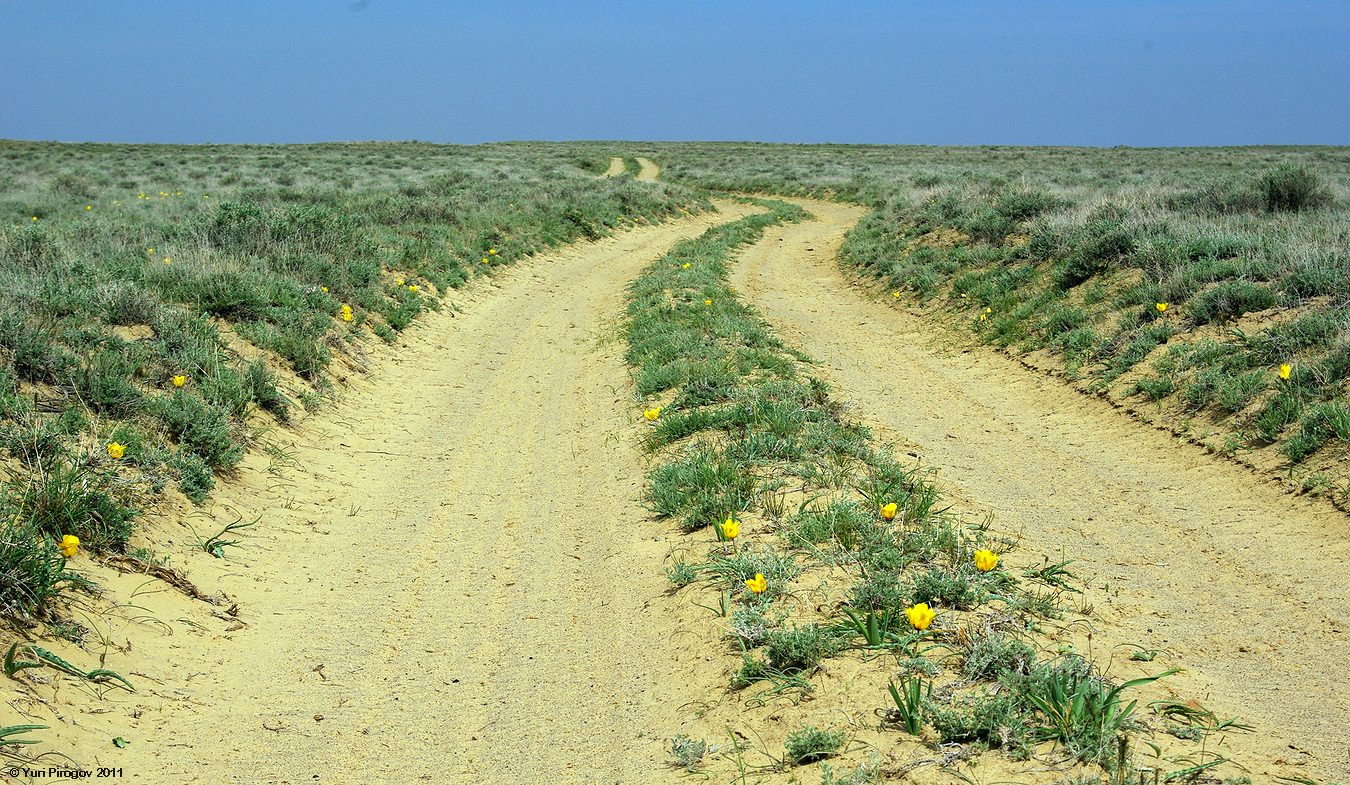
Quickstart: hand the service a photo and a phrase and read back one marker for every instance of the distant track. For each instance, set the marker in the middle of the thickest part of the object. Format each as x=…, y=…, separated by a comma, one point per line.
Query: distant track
x=649, y=171
x=1230, y=578
x=616, y=167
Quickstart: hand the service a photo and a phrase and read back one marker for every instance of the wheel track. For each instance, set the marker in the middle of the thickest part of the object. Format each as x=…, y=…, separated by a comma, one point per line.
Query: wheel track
x=1242, y=584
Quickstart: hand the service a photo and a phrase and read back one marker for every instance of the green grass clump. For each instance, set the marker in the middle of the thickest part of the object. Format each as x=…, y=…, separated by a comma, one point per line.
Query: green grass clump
x=809, y=744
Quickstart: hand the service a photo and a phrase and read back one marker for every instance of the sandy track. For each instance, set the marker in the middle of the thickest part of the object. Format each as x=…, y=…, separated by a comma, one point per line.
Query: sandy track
x=463, y=552
x=649, y=171
x=1240, y=584
x=616, y=167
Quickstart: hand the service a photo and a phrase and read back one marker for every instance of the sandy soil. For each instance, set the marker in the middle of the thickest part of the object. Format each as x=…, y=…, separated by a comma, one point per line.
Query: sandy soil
x=450, y=585
x=649, y=171
x=1232, y=579
x=616, y=167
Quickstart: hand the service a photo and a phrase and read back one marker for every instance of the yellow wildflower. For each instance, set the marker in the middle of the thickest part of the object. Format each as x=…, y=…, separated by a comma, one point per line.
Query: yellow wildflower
x=707, y=302
x=484, y=260
x=985, y=560
x=888, y=511
x=179, y=380
x=412, y=287
x=35, y=218
x=896, y=294
x=398, y=281
x=1162, y=307
x=323, y=289
x=684, y=266
x=167, y=260
x=88, y=207
x=652, y=413
x=70, y=545
x=1285, y=370
x=920, y=616
x=757, y=584
x=492, y=252
x=346, y=313
x=731, y=528
x=117, y=450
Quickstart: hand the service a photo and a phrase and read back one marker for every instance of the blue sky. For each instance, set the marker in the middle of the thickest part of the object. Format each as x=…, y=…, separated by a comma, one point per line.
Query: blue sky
x=1079, y=73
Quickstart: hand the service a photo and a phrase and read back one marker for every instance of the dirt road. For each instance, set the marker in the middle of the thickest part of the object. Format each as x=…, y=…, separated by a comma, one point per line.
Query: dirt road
x=649, y=171
x=451, y=587
x=616, y=167
x=1235, y=581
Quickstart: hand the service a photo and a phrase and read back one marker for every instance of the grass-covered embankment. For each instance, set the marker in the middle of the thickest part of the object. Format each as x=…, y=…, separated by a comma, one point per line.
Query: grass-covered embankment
x=821, y=552
x=160, y=305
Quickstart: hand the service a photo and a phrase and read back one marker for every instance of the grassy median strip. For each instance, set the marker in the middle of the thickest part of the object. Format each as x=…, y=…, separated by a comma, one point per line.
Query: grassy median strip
x=813, y=543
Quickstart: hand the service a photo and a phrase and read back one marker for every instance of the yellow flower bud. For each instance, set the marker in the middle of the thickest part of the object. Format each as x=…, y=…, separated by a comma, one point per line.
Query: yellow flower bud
x=888, y=511
x=70, y=545
x=985, y=560
x=731, y=528
x=179, y=380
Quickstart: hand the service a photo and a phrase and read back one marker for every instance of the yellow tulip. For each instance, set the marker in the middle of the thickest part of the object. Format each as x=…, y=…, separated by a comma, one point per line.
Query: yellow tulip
x=484, y=260
x=985, y=560
x=984, y=316
x=70, y=545
x=88, y=207
x=988, y=310
x=179, y=380
x=896, y=294
x=757, y=584
x=346, y=313
x=684, y=266
x=731, y=529
x=150, y=251
x=412, y=287
x=652, y=413
x=920, y=616
x=1162, y=307
x=167, y=260
x=116, y=450
x=707, y=302
x=399, y=281
x=323, y=289
x=888, y=511
x=1285, y=370
x=492, y=252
